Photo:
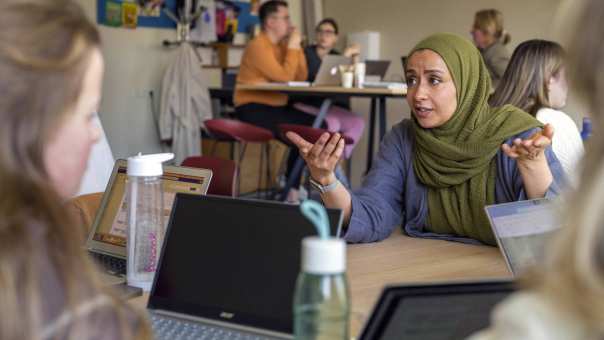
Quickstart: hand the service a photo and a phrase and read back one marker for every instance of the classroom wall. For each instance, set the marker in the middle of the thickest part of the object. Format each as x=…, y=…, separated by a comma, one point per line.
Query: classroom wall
x=135, y=61
x=403, y=23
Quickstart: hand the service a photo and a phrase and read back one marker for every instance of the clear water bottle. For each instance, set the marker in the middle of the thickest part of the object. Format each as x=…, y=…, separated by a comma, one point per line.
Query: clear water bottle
x=321, y=300
x=145, y=217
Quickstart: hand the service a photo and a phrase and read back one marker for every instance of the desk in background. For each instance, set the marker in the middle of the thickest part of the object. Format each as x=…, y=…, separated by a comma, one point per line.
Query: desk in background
x=378, y=99
x=403, y=259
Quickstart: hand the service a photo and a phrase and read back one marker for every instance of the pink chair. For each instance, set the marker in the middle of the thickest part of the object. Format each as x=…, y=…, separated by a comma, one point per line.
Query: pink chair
x=311, y=135
x=231, y=130
x=223, y=173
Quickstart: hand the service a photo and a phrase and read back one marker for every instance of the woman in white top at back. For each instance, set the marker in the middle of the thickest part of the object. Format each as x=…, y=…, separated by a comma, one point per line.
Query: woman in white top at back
x=535, y=81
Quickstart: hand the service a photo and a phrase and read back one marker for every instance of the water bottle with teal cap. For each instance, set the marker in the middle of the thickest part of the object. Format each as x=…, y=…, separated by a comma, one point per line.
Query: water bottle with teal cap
x=321, y=299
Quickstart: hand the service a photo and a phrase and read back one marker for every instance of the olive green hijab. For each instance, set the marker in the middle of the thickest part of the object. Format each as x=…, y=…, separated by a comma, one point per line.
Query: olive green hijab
x=456, y=160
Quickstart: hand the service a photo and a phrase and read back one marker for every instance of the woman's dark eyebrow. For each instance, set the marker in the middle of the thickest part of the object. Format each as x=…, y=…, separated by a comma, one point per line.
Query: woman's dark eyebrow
x=437, y=71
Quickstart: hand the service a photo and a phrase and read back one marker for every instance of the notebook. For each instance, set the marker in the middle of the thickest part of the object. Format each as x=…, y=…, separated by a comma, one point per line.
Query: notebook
x=229, y=267
x=107, y=237
x=522, y=230
x=434, y=311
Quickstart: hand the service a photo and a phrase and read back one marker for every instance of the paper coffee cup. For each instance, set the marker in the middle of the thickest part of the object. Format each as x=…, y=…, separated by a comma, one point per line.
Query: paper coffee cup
x=347, y=79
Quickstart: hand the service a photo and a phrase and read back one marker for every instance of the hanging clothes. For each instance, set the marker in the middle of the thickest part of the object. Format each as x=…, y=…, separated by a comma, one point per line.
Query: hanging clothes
x=185, y=104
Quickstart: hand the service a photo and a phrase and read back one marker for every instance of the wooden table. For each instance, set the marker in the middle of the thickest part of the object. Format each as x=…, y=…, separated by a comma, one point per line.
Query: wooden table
x=378, y=104
x=402, y=259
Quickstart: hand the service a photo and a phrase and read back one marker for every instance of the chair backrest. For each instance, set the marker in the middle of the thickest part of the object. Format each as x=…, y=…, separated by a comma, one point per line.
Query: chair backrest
x=223, y=173
x=237, y=130
x=310, y=134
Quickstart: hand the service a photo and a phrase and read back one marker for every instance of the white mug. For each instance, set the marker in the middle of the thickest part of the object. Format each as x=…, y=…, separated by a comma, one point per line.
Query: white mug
x=347, y=79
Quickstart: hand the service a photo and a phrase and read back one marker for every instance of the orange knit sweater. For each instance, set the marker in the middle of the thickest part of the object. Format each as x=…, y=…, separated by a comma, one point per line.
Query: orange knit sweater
x=264, y=62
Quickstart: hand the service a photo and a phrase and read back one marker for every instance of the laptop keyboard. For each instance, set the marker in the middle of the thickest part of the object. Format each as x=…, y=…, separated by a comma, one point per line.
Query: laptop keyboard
x=112, y=264
x=171, y=328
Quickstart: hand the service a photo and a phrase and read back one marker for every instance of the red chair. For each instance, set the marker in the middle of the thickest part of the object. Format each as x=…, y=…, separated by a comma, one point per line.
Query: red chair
x=223, y=173
x=311, y=135
x=237, y=131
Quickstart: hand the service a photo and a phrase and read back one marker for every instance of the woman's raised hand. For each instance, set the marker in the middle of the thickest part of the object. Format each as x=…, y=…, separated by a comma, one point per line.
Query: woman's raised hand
x=322, y=157
x=531, y=149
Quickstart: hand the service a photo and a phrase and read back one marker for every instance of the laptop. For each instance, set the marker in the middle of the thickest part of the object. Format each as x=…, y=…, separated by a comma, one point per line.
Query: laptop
x=376, y=69
x=434, y=311
x=522, y=230
x=329, y=71
x=228, y=267
x=107, y=238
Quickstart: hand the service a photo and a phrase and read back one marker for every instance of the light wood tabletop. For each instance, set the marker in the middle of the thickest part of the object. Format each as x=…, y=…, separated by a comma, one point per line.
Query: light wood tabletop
x=403, y=259
x=353, y=91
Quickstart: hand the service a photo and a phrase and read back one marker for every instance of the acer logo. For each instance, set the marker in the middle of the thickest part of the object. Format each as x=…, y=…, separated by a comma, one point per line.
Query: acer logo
x=226, y=315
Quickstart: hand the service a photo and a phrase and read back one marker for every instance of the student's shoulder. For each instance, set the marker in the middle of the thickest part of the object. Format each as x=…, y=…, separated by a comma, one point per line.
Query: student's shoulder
x=552, y=116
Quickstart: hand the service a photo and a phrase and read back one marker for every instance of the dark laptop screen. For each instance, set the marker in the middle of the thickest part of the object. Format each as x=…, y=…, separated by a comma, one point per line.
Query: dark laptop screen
x=447, y=311
x=232, y=260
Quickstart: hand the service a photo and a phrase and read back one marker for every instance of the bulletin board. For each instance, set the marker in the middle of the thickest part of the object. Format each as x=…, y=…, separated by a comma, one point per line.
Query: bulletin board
x=151, y=18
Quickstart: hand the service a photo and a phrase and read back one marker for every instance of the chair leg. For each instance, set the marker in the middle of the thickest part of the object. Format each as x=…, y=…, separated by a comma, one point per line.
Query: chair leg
x=260, y=168
x=293, y=176
x=238, y=168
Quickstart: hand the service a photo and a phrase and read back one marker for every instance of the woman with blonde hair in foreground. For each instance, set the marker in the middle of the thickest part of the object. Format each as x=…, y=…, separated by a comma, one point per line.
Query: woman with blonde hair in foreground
x=51, y=69
x=566, y=299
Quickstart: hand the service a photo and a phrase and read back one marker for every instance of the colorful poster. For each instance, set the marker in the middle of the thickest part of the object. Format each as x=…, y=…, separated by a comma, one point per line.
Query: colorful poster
x=150, y=8
x=129, y=14
x=113, y=13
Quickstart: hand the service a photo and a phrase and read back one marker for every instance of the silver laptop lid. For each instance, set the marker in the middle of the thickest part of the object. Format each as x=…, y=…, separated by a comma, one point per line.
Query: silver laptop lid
x=108, y=232
x=522, y=230
x=329, y=72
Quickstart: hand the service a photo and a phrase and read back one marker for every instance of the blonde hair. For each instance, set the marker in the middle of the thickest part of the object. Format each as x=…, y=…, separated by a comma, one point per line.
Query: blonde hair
x=573, y=276
x=45, y=50
x=525, y=81
x=490, y=22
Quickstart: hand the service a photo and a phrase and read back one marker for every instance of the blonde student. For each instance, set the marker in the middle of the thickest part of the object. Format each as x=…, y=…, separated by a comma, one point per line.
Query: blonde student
x=51, y=68
x=564, y=300
x=490, y=37
x=535, y=81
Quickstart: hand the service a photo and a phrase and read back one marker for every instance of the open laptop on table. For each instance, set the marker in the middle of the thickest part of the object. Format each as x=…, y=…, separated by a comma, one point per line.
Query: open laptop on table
x=329, y=71
x=228, y=268
x=434, y=311
x=522, y=230
x=107, y=238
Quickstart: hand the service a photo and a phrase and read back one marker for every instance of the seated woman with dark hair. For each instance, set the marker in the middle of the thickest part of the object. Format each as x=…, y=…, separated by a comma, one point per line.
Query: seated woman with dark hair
x=339, y=118
x=436, y=172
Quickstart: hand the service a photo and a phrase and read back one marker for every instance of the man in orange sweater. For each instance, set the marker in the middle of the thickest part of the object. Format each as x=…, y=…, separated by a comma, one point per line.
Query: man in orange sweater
x=275, y=55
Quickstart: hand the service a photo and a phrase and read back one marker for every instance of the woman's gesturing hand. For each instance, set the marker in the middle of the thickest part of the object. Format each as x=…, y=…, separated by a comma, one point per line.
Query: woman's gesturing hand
x=322, y=157
x=531, y=149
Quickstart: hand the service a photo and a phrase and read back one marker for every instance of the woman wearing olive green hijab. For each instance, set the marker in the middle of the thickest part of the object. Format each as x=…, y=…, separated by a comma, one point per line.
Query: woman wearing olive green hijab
x=437, y=171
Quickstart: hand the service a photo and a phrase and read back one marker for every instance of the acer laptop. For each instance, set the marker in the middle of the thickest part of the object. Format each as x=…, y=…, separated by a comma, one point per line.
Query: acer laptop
x=228, y=269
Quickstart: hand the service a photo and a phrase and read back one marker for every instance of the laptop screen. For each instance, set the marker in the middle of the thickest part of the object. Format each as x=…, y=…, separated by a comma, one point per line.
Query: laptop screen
x=233, y=260
x=446, y=311
x=110, y=225
x=523, y=229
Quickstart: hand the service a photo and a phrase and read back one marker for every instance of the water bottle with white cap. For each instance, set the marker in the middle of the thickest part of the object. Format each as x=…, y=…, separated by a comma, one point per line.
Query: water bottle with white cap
x=145, y=217
x=321, y=300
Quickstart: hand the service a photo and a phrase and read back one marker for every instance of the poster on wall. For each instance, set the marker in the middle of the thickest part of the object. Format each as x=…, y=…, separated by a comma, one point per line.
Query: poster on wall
x=226, y=17
x=148, y=13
